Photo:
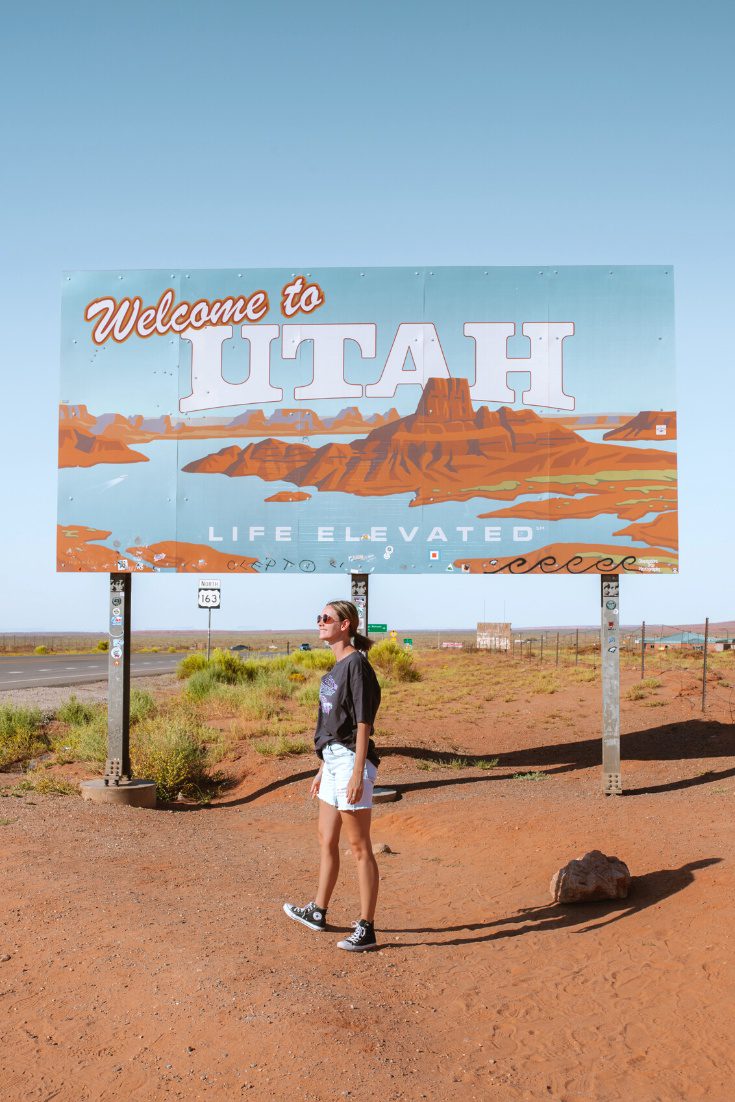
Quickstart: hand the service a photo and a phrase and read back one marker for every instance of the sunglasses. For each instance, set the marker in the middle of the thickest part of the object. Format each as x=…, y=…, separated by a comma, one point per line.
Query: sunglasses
x=326, y=619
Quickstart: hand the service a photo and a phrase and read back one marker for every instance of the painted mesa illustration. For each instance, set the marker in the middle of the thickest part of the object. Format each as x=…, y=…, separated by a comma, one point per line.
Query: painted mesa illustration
x=435, y=476
x=445, y=451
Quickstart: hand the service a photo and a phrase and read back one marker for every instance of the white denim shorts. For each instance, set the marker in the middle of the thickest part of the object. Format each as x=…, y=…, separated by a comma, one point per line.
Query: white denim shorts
x=339, y=762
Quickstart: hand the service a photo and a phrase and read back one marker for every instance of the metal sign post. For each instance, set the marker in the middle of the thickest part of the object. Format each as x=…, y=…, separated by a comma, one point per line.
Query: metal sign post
x=209, y=596
x=610, y=649
x=359, y=598
x=116, y=785
x=117, y=767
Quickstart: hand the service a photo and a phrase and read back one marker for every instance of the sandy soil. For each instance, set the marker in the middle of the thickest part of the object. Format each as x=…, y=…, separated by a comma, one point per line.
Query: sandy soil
x=144, y=954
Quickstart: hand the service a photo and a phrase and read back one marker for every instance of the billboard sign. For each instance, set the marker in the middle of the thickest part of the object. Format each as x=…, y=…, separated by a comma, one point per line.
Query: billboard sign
x=392, y=420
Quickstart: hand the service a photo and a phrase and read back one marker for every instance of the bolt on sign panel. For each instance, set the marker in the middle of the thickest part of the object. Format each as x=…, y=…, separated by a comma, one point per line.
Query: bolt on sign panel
x=384, y=420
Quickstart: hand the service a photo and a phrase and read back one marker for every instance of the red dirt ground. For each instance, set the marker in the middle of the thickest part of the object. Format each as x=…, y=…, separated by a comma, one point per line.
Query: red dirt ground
x=149, y=957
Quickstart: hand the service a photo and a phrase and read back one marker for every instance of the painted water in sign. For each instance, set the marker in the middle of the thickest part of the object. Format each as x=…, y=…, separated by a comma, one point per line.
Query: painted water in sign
x=240, y=503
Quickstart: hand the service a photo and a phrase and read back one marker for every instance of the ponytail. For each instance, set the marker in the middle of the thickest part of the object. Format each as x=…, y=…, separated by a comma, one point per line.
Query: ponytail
x=346, y=610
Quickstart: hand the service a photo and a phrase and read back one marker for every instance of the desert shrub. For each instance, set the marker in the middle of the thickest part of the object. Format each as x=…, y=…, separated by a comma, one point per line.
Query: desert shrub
x=45, y=786
x=315, y=659
x=189, y=665
x=41, y=649
x=103, y=645
x=650, y=683
x=635, y=692
x=309, y=695
x=279, y=684
x=223, y=667
x=229, y=668
x=280, y=662
x=255, y=701
x=85, y=738
x=174, y=754
x=77, y=712
x=142, y=705
x=21, y=734
x=393, y=661
x=201, y=683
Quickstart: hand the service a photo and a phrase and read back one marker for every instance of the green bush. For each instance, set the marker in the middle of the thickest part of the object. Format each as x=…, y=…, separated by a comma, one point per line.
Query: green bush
x=21, y=734
x=40, y=649
x=230, y=669
x=175, y=754
x=393, y=661
x=309, y=695
x=314, y=659
x=104, y=645
x=201, y=683
x=85, y=738
x=189, y=665
x=142, y=705
x=77, y=712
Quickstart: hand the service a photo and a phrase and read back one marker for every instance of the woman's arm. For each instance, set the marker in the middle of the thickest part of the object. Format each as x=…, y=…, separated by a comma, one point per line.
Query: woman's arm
x=314, y=790
x=354, y=788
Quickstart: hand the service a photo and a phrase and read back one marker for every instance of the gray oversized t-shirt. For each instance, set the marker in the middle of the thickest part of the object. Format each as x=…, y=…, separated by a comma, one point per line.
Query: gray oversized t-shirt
x=349, y=694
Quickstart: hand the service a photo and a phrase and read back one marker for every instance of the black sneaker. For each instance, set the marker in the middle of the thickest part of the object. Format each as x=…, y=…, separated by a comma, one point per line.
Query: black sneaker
x=310, y=915
x=361, y=939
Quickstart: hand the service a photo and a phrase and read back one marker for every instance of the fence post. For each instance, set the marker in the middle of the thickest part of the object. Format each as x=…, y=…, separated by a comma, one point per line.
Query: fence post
x=557, y=648
x=576, y=648
x=541, y=655
x=643, y=650
x=704, y=664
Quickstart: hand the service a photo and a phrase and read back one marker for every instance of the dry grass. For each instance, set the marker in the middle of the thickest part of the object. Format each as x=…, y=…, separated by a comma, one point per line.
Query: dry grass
x=43, y=785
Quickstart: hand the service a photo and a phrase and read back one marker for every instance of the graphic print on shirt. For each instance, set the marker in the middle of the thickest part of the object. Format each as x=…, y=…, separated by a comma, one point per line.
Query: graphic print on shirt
x=327, y=690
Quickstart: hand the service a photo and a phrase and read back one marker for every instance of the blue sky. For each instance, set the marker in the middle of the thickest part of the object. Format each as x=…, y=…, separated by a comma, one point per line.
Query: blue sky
x=235, y=135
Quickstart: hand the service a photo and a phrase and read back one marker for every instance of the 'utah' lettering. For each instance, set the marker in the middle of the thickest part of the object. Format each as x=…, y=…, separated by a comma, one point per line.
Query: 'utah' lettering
x=415, y=356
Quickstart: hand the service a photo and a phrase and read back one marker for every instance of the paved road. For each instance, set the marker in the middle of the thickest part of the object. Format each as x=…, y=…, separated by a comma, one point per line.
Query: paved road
x=75, y=669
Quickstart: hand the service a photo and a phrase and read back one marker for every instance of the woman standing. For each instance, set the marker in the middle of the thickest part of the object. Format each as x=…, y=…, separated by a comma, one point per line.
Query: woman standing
x=349, y=697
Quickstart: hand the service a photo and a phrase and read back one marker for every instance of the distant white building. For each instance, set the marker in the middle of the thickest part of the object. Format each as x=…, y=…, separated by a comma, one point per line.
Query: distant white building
x=493, y=636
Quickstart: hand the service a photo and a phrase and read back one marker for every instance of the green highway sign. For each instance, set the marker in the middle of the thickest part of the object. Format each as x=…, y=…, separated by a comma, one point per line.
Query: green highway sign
x=377, y=627
x=408, y=642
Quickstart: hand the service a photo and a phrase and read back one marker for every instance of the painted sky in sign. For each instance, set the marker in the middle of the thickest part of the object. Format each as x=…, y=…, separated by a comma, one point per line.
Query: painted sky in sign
x=620, y=357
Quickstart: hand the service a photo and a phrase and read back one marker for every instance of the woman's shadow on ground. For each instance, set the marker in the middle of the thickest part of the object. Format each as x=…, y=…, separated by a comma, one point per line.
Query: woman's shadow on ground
x=646, y=891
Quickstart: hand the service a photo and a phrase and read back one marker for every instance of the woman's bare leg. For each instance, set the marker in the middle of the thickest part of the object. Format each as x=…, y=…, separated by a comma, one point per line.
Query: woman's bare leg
x=330, y=825
x=357, y=826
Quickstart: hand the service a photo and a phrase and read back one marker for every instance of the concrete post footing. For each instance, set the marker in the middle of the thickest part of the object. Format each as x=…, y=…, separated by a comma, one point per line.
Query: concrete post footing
x=128, y=793
x=384, y=795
